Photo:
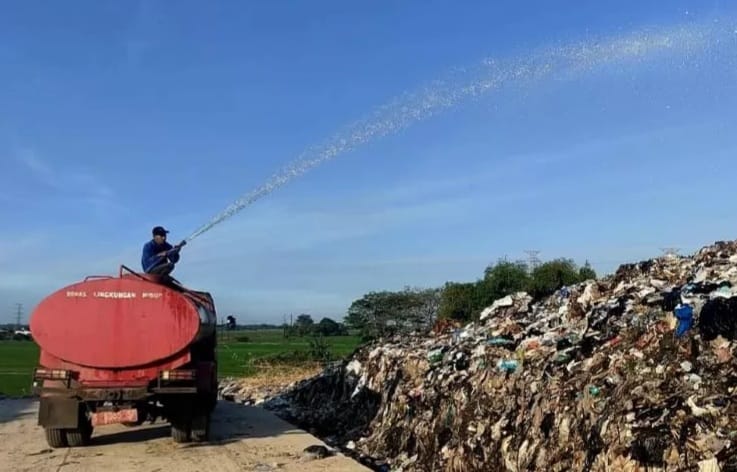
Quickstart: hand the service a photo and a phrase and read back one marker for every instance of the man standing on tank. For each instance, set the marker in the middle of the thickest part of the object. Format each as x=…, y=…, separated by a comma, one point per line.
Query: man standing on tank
x=159, y=257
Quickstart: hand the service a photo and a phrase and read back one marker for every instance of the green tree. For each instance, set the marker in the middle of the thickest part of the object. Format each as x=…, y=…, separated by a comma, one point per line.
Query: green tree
x=586, y=272
x=502, y=279
x=327, y=327
x=466, y=301
x=384, y=313
x=552, y=275
x=457, y=301
x=304, y=324
x=419, y=307
x=381, y=313
x=370, y=313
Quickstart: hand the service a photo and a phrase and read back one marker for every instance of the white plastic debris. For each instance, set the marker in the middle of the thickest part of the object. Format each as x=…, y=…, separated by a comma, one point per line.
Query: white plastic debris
x=354, y=367
x=709, y=465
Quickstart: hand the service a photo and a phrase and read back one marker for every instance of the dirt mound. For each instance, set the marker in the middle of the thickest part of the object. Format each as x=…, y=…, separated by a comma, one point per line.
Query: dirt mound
x=632, y=371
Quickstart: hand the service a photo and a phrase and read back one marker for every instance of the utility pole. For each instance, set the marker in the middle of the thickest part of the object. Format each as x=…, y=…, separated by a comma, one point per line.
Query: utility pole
x=18, y=315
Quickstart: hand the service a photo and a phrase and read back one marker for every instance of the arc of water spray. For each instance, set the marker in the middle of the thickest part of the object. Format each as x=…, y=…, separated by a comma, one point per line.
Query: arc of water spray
x=570, y=60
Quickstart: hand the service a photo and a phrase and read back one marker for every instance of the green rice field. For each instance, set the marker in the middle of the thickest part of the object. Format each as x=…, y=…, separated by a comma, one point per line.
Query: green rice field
x=239, y=354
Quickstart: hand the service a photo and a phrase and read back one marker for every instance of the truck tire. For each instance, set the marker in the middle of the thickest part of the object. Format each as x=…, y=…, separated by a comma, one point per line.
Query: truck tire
x=56, y=437
x=201, y=427
x=181, y=431
x=78, y=437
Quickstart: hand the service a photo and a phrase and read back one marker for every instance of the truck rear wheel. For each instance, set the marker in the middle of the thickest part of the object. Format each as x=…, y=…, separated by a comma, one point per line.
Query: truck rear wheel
x=56, y=437
x=181, y=431
x=80, y=436
x=201, y=427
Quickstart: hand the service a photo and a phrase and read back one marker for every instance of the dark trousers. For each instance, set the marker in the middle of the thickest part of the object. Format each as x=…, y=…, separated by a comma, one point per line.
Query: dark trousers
x=161, y=269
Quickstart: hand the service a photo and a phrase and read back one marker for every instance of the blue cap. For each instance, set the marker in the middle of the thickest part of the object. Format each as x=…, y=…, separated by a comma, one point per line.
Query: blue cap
x=159, y=231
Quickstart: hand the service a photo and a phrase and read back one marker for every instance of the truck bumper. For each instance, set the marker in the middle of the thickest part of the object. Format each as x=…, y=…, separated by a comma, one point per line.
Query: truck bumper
x=93, y=394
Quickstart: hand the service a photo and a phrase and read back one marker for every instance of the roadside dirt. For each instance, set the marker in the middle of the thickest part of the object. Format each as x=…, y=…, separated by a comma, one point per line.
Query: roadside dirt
x=242, y=439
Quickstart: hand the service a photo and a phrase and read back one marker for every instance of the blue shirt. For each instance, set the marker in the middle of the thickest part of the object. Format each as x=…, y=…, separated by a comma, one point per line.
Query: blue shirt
x=149, y=258
x=684, y=314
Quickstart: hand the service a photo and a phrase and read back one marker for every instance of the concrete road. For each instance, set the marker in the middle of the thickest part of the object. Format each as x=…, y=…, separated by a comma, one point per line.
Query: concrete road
x=242, y=439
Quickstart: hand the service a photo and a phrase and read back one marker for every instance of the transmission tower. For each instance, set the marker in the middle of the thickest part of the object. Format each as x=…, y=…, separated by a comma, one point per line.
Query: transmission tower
x=18, y=314
x=532, y=259
x=670, y=252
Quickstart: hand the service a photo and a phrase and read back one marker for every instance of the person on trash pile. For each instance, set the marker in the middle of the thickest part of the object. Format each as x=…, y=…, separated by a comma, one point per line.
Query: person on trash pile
x=684, y=314
x=159, y=257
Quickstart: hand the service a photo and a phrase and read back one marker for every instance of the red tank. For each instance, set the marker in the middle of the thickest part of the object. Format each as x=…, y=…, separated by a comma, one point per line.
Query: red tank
x=122, y=350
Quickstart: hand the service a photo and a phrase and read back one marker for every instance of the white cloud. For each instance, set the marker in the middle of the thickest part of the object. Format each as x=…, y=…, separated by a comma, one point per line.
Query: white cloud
x=69, y=186
x=68, y=181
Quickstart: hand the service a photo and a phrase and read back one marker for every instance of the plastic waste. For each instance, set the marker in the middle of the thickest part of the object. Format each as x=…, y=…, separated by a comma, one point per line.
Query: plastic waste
x=719, y=318
x=684, y=315
x=600, y=382
x=507, y=365
x=435, y=356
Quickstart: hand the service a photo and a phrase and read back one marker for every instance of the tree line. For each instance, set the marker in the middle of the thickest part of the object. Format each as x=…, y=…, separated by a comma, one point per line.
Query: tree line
x=304, y=325
x=385, y=313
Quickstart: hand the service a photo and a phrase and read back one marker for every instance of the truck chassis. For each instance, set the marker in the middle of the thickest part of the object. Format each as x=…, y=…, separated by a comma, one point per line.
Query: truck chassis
x=69, y=412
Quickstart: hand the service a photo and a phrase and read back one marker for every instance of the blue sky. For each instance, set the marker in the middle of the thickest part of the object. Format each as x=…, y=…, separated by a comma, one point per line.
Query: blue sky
x=118, y=116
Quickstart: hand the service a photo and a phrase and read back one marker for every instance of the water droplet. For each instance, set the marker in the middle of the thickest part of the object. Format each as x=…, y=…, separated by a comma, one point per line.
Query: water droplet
x=473, y=82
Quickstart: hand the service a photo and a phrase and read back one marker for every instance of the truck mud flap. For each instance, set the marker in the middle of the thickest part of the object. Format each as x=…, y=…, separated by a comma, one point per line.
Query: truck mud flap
x=58, y=412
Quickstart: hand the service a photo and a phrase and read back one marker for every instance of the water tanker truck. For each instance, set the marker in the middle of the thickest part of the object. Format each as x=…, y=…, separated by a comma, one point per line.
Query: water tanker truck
x=125, y=349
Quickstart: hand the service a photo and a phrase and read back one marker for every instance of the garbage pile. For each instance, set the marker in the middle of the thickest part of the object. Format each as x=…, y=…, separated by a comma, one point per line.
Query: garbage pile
x=231, y=389
x=628, y=373
x=269, y=383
